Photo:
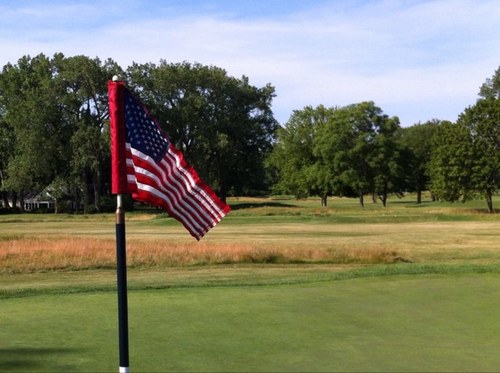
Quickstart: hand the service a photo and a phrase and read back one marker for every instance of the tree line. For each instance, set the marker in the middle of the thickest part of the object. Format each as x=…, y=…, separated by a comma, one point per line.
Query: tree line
x=54, y=126
x=54, y=137
x=357, y=150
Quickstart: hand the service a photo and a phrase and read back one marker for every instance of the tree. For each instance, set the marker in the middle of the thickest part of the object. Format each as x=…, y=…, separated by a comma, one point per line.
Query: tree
x=466, y=158
x=6, y=149
x=300, y=169
x=387, y=159
x=490, y=89
x=57, y=111
x=82, y=86
x=32, y=111
x=418, y=139
x=483, y=123
x=451, y=163
x=223, y=125
x=358, y=148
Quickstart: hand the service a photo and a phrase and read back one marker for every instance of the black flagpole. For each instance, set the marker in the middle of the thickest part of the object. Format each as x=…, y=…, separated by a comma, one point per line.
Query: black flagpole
x=121, y=271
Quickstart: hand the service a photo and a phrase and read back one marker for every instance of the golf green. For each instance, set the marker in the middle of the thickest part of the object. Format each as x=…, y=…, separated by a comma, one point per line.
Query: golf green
x=389, y=323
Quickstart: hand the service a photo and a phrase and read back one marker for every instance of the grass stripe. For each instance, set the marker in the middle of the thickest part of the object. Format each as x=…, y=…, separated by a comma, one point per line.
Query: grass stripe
x=241, y=276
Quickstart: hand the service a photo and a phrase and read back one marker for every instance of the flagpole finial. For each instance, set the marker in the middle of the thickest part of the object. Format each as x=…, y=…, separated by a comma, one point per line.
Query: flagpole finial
x=115, y=78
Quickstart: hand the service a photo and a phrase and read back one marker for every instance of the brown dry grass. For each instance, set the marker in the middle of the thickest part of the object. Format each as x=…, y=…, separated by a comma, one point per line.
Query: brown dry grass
x=34, y=243
x=78, y=253
x=45, y=253
x=44, y=246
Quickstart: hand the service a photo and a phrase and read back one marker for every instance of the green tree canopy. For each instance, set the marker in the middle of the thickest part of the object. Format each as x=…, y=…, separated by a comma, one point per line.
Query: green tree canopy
x=300, y=169
x=483, y=123
x=358, y=146
x=223, y=125
x=466, y=155
x=32, y=111
x=82, y=83
x=45, y=102
x=348, y=151
x=418, y=139
x=451, y=163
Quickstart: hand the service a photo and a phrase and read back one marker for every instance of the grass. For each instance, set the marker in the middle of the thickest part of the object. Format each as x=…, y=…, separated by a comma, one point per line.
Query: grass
x=266, y=290
x=404, y=323
x=258, y=231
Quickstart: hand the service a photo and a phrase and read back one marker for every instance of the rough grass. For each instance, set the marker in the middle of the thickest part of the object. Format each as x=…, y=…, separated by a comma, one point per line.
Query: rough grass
x=27, y=255
x=258, y=231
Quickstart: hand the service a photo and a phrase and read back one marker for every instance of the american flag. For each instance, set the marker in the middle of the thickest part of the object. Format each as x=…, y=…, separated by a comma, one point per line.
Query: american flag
x=157, y=173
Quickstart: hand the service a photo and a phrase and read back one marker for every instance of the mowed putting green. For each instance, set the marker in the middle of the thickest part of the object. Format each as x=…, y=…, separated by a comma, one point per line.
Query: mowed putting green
x=388, y=323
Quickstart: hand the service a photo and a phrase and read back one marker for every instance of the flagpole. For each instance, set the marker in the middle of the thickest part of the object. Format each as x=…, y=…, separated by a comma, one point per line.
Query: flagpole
x=119, y=187
x=121, y=271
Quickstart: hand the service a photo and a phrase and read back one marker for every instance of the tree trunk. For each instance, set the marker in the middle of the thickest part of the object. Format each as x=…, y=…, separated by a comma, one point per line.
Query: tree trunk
x=384, y=195
x=419, y=197
x=384, y=199
x=96, y=182
x=374, y=197
x=14, y=199
x=85, y=190
x=3, y=193
x=361, y=200
x=5, y=199
x=223, y=191
x=21, y=201
x=76, y=200
x=433, y=197
x=489, y=201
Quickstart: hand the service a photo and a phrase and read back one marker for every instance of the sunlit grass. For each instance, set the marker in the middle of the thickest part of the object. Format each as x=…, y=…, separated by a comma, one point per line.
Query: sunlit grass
x=82, y=253
x=265, y=290
x=258, y=230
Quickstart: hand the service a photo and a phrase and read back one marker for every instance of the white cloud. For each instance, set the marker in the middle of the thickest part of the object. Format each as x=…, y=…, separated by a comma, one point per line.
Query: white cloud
x=416, y=59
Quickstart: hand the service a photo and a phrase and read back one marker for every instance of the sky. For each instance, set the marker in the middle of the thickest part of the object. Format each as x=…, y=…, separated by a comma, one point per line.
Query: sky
x=417, y=60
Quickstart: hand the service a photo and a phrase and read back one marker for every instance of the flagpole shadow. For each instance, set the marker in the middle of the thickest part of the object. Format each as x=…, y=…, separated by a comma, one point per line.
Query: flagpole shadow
x=22, y=359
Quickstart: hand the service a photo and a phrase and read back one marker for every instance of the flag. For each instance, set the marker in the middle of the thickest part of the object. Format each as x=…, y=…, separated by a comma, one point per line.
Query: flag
x=147, y=165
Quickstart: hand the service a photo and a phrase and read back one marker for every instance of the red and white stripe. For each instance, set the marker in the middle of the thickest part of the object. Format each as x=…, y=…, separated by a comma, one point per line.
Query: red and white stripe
x=175, y=186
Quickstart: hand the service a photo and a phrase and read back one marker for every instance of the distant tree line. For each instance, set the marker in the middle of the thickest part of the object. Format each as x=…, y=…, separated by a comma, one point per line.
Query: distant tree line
x=54, y=137
x=357, y=150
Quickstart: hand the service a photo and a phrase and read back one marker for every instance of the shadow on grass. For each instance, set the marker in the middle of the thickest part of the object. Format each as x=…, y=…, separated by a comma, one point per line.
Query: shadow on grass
x=410, y=203
x=485, y=211
x=248, y=205
x=29, y=359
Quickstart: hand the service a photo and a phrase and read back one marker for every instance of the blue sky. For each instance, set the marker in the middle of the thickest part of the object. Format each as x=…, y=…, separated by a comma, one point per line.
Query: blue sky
x=417, y=60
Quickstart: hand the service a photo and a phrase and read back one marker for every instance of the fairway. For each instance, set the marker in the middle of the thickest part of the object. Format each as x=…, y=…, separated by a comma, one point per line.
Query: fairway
x=394, y=323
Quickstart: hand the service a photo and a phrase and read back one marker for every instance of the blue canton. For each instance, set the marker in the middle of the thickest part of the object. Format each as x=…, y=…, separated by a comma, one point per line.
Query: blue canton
x=142, y=132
